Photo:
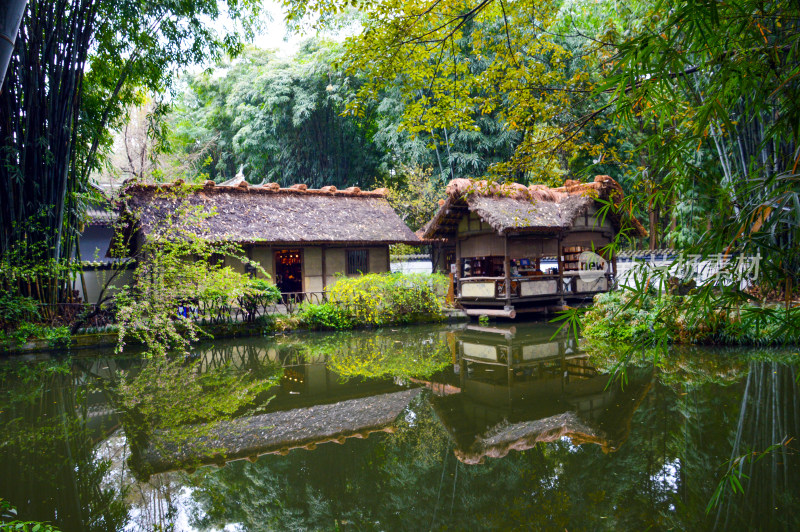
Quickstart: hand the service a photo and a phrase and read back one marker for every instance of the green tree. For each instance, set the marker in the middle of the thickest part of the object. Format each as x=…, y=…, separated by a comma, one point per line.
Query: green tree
x=278, y=121
x=76, y=67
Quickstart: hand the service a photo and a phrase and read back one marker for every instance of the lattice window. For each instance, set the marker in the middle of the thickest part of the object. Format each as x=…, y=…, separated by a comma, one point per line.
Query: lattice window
x=357, y=261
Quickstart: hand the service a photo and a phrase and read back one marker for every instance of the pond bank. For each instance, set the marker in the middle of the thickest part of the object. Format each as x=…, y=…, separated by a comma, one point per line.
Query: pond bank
x=281, y=323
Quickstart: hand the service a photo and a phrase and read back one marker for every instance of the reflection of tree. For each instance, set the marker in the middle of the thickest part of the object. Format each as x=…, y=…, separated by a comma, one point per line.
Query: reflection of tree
x=172, y=404
x=770, y=414
x=398, y=356
x=47, y=464
x=661, y=477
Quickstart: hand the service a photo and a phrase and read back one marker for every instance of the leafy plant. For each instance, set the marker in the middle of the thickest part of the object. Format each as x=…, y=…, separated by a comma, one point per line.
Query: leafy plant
x=56, y=337
x=160, y=309
x=259, y=294
x=626, y=316
x=325, y=316
x=7, y=511
x=15, y=308
x=380, y=299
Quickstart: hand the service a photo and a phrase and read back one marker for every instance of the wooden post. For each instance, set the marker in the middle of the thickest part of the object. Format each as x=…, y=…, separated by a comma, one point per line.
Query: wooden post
x=458, y=267
x=559, y=257
x=451, y=296
x=324, y=272
x=507, y=270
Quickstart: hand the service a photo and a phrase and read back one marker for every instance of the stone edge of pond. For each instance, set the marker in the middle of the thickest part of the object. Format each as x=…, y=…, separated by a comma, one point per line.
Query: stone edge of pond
x=224, y=330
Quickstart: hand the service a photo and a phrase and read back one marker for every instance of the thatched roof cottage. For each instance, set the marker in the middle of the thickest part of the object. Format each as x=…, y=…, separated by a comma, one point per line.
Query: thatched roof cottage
x=526, y=246
x=302, y=237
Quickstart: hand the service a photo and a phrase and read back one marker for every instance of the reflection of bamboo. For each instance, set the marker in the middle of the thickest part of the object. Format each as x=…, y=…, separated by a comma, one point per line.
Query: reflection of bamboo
x=769, y=416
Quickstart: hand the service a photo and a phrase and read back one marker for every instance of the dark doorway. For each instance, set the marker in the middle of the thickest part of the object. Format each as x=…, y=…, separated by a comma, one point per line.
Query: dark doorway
x=289, y=270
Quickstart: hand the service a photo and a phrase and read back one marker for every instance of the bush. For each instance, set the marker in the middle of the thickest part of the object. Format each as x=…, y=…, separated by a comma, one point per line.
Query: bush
x=325, y=316
x=16, y=309
x=259, y=294
x=56, y=337
x=618, y=317
x=378, y=299
x=381, y=299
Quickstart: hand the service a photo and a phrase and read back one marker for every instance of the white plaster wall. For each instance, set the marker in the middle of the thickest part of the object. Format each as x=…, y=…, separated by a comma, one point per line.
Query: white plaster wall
x=96, y=279
x=263, y=255
x=335, y=262
x=312, y=283
x=312, y=261
x=235, y=264
x=536, y=288
x=378, y=259
x=478, y=289
x=412, y=266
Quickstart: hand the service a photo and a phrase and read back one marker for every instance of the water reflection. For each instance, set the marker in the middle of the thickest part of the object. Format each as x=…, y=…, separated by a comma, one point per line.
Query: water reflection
x=516, y=389
x=433, y=427
x=52, y=419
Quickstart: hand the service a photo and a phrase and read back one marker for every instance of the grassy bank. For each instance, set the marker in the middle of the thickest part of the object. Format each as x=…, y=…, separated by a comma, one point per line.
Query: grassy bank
x=373, y=300
x=666, y=318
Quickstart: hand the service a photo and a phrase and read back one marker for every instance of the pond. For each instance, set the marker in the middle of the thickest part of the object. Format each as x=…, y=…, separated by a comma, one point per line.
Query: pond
x=462, y=427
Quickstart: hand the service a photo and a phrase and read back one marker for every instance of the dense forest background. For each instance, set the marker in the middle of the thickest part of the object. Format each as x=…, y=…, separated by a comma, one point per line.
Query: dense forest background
x=691, y=106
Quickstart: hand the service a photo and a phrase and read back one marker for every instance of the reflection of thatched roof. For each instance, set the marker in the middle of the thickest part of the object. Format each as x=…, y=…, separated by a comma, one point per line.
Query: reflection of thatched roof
x=279, y=432
x=607, y=423
x=525, y=435
x=515, y=208
x=269, y=214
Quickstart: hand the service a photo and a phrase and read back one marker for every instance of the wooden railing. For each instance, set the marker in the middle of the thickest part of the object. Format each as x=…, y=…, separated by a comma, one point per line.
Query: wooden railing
x=520, y=287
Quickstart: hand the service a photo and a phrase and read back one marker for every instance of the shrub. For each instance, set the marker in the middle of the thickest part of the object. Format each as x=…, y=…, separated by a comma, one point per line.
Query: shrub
x=15, y=309
x=325, y=316
x=56, y=337
x=617, y=316
x=259, y=294
x=380, y=299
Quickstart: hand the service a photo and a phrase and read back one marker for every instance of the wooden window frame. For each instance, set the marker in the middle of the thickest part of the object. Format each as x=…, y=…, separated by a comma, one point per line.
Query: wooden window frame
x=355, y=270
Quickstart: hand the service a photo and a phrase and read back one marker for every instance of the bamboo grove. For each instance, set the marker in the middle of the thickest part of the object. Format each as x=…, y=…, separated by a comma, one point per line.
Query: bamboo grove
x=76, y=68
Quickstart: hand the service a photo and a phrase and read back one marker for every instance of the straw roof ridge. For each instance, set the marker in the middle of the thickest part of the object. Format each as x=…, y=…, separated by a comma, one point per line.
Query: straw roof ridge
x=211, y=187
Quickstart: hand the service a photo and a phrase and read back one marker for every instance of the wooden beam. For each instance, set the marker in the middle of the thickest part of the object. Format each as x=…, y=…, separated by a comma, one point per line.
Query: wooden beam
x=507, y=270
x=324, y=270
x=496, y=312
x=458, y=268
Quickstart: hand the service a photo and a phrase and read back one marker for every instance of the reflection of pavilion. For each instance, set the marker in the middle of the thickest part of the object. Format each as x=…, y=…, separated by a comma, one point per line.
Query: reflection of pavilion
x=519, y=389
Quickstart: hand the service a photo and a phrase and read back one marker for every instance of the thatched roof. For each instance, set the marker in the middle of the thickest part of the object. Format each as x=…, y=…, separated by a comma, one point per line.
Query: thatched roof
x=512, y=207
x=269, y=214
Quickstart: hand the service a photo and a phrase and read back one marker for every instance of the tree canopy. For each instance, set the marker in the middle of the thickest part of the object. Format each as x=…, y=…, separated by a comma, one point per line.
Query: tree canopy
x=76, y=67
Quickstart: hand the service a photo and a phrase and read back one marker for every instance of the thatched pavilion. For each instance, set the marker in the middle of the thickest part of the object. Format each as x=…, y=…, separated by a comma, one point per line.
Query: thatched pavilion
x=304, y=238
x=500, y=238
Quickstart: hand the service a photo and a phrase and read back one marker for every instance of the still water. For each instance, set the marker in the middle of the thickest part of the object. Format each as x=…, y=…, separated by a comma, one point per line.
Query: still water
x=424, y=428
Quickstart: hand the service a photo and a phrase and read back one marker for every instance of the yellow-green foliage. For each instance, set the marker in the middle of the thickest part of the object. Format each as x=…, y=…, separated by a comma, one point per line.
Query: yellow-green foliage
x=388, y=353
x=381, y=299
x=385, y=356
